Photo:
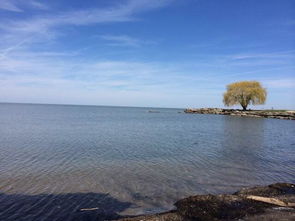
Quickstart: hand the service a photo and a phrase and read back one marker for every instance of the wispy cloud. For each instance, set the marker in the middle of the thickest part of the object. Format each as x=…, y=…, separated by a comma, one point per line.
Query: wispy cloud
x=9, y=5
x=124, y=40
x=45, y=27
x=118, y=13
x=256, y=59
x=19, y=5
x=280, y=83
x=4, y=52
x=283, y=54
x=36, y=59
x=36, y=4
x=26, y=73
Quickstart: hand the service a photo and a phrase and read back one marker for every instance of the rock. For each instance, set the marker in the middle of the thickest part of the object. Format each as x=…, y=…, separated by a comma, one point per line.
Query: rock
x=269, y=191
x=245, y=204
x=220, y=207
x=169, y=216
x=288, y=115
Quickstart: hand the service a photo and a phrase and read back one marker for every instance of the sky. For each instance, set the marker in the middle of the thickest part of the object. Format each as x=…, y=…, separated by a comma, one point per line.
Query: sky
x=151, y=53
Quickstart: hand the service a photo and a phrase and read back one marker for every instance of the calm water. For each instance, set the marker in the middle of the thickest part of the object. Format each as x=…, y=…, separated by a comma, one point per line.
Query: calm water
x=55, y=159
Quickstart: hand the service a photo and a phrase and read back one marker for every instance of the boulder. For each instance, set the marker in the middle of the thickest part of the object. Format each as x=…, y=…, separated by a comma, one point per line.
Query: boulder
x=274, y=202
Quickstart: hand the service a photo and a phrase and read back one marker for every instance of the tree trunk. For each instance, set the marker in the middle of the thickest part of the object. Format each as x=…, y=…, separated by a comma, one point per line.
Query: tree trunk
x=244, y=107
x=244, y=102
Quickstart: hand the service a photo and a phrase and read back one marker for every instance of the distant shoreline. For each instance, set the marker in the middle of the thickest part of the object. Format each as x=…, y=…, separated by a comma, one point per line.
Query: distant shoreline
x=275, y=114
x=92, y=105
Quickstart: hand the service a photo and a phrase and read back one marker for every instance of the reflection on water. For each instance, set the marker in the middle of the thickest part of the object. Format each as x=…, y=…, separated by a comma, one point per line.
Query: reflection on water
x=241, y=144
x=147, y=159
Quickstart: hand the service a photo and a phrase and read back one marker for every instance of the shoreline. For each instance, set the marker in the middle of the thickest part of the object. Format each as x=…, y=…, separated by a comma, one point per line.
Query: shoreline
x=274, y=114
x=272, y=202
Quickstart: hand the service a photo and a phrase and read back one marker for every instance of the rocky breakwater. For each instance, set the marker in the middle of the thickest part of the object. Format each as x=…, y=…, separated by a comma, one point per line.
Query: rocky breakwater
x=274, y=202
x=277, y=114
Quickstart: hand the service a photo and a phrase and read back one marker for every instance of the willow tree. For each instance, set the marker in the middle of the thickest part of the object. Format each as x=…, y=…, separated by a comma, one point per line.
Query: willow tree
x=244, y=93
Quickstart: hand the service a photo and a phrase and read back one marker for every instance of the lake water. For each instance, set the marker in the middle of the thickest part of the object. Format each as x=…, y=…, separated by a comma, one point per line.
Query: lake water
x=57, y=159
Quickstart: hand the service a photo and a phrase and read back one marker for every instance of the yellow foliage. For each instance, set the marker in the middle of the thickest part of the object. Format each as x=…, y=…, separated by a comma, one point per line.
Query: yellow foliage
x=244, y=93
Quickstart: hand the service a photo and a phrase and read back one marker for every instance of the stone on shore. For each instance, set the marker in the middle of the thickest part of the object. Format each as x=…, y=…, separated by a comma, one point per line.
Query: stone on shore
x=237, y=206
x=288, y=115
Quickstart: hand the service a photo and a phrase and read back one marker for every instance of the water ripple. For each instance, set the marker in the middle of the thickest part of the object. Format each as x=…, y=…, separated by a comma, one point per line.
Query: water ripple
x=50, y=155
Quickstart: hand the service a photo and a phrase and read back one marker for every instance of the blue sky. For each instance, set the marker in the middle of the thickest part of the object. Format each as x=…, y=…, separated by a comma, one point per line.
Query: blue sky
x=160, y=53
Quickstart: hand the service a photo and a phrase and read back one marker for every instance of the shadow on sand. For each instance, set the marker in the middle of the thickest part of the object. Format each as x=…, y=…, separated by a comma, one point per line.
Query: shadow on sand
x=61, y=207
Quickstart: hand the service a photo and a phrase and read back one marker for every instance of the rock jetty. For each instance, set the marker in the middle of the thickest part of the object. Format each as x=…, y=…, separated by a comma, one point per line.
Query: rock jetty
x=274, y=202
x=277, y=114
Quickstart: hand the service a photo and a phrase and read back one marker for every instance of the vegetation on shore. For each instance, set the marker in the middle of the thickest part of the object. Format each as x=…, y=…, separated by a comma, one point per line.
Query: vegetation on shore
x=244, y=93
